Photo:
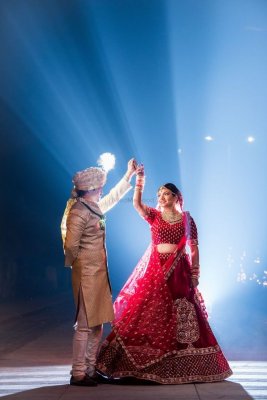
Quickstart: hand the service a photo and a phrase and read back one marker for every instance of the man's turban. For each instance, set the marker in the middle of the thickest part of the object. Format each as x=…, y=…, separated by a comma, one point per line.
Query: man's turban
x=90, y=178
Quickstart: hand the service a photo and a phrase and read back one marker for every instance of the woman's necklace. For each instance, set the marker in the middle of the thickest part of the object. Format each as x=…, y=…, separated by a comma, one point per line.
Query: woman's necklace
x=171, y=216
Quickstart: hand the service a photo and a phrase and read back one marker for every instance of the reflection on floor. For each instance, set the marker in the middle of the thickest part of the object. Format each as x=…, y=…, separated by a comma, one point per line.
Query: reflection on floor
x=51, y=382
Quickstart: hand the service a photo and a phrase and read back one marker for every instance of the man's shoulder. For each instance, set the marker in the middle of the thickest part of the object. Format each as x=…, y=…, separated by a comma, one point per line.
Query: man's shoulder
x=79, y=208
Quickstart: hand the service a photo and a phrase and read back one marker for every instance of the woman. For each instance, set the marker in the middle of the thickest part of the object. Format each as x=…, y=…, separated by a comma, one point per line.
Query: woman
x=160, y=332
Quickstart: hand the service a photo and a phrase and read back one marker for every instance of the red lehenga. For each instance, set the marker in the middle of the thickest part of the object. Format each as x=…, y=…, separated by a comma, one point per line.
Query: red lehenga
x=160, y=332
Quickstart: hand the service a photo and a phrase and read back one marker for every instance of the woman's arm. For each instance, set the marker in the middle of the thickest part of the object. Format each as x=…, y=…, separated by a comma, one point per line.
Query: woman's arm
x=138, y=190
x=195, y=268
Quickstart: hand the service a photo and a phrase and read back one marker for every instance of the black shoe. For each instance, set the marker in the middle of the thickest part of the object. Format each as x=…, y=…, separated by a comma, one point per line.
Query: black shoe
x=86, y=381
x=99, y=378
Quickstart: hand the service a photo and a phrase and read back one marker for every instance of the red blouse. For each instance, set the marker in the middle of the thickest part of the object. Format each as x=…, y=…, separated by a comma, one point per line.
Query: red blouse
x=165, y=232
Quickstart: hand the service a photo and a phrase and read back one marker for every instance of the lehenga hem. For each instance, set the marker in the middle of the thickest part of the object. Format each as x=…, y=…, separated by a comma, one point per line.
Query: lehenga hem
x=166, y=381
x=209, y=363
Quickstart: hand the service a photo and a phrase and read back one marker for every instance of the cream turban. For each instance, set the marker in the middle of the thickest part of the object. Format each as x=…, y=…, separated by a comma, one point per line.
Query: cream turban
x=90, y=179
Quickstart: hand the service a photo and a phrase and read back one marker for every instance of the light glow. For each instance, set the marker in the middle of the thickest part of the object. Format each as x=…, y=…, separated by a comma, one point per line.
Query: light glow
x=107, y=161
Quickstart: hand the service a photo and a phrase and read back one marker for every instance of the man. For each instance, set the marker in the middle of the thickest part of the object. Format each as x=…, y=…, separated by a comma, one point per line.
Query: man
x=85, y=251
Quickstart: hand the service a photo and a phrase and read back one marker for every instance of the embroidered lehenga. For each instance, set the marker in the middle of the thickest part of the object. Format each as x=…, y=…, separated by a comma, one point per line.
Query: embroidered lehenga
x=160, y=332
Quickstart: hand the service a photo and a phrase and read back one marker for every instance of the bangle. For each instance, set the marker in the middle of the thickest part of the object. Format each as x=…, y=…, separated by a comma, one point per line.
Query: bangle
x=140, y=189
x=195, y=271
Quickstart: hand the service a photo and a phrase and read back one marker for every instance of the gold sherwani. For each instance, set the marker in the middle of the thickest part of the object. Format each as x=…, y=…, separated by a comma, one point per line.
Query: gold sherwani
x=85, y=251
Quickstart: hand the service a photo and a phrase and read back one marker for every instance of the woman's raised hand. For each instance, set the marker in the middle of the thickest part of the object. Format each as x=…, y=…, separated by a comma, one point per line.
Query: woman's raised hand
x=140, y=170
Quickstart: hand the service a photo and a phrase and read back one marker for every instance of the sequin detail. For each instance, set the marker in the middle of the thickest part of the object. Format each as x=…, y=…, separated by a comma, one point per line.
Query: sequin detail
x=164, y=232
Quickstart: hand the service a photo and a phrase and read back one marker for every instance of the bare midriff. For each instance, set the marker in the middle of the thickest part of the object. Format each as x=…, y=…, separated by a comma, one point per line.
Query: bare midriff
x=166, y=247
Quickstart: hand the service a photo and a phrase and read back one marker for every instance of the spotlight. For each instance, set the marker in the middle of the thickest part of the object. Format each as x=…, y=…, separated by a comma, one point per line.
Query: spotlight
x=106, y=161
x=209, y=138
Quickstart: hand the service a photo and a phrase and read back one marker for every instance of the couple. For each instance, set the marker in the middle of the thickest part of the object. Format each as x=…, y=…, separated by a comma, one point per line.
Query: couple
x=160, y=331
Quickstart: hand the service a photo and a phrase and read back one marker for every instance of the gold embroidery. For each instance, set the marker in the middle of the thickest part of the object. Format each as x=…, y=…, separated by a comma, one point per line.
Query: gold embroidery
x=202, y=365
x=187, y=324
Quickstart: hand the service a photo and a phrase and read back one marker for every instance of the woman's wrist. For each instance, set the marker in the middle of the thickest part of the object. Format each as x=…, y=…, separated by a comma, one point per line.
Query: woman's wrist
x=195, y=271
x=140, y=182
x=140, y=179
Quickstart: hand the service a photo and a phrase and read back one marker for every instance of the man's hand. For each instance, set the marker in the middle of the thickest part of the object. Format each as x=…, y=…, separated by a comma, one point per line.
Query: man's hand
x=132, y=166
x=130, y=169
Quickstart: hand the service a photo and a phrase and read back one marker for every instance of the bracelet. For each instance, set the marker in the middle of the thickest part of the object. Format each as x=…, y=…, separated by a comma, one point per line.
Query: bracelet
x=195, y=271
x=140, y=189
x=140, y=180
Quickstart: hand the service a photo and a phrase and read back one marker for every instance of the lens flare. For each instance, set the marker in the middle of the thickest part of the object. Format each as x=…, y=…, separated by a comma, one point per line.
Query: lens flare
x=107, y=161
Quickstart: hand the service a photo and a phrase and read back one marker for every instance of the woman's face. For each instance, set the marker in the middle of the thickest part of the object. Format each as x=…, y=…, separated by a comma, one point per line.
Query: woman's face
x=166, y=198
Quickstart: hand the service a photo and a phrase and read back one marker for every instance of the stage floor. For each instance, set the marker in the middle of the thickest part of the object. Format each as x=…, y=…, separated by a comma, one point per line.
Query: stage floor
x=35, y=357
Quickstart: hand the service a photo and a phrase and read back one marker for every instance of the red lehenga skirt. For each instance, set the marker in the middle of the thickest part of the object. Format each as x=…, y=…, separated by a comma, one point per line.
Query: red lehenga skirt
x=161, y=332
